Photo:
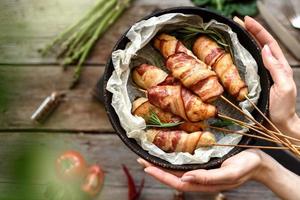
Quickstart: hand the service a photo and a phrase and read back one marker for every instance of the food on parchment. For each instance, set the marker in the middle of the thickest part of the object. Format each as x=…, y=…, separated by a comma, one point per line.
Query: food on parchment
x=169, y=45
x=180, y=141
x=146, y=76
x=142, y=108
x=180, y=101
x=195, y=75
x=212, y=54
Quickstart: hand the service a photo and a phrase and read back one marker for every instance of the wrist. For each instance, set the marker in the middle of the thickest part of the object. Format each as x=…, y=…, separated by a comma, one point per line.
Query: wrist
x=292, y=127
x=282, y=182
x=267, y=169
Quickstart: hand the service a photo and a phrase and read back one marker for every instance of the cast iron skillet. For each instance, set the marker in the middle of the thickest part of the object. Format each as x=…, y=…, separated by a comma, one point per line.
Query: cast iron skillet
x=245, y=39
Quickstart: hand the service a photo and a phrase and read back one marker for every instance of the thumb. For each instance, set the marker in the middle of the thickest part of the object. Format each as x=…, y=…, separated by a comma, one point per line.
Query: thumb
x=276, y=68
x=223, y=175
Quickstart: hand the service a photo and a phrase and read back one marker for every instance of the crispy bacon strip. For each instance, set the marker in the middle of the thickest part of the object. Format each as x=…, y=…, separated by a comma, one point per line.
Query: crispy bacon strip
x=179, y=141
x=169, y=45
x=146, y=76
x=143, y=108
x=180, y=101
x=195, y=75
x=212, y=54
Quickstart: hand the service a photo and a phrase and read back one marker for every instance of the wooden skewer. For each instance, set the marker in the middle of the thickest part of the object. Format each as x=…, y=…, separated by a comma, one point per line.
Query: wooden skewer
x=224, y=130
x=246, y=125
x=262, y=133
x=248, y=146
x=288, y=144
x=246, y=115
x=272, y=138
x=272, y=124
x=278, y=134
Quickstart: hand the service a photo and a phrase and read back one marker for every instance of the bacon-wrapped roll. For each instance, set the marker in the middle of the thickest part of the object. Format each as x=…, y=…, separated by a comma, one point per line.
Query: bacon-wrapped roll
x=142, y=108
x=195, y=75
x=180, y=101
x=212, y=54
x=169, y=45
x=146, y=76
x=179, y=141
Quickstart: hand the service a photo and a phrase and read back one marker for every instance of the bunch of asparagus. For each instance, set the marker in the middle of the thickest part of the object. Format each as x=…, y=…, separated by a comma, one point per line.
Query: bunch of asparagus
x=74, y=44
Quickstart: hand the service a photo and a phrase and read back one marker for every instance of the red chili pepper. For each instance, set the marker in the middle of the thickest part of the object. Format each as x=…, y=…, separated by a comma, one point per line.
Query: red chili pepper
x=93, y=181
x=133, y=194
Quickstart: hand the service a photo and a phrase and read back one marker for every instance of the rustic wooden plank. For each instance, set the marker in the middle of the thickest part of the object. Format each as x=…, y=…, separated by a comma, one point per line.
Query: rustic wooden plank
x=277, y=10
x=291, y=59
x=98, y=149
x=32, y=24
x=29, y=85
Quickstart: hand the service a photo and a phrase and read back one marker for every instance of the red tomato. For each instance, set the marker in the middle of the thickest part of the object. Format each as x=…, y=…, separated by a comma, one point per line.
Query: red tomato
x=71, y=166
x=93, y=181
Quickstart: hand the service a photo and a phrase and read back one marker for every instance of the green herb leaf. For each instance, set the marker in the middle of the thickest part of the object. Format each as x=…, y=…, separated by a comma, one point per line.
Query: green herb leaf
x=247, y=8
x=154, y=121
x=200, y=2
x=190, y=32
x=229, y=8
x=223, y=123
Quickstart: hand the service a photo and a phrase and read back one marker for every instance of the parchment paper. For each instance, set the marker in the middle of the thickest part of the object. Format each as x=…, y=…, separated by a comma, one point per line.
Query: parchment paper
x=138, y=50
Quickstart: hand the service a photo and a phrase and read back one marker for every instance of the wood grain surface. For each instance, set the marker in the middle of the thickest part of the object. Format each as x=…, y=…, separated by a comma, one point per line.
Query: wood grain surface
x=32, y=24
x=80, y=122
x=98, y=149
x=79, y=111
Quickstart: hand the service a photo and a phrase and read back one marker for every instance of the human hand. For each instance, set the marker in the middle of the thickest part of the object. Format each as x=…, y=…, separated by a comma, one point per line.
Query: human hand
x=283, y=93
x=233, y=172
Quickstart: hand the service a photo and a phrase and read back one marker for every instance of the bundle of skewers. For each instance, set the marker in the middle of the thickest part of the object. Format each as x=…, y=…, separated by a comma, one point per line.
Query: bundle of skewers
x=178, y=103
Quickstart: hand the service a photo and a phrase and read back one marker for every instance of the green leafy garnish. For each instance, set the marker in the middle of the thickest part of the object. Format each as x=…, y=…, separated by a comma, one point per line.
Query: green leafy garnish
x=154, y=121
x=223, y=123
x=190, y=32
x=229, y=8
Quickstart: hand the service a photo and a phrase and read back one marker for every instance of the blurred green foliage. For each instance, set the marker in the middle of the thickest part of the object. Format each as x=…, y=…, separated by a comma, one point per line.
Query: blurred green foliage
x=229, y=8
x=30, y=165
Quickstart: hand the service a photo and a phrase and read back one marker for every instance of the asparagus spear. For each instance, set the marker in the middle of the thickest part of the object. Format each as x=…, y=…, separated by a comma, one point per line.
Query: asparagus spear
x=75, y=43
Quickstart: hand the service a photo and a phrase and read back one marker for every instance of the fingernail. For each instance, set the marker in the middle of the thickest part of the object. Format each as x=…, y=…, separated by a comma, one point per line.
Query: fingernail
x=247, y=16
x=147, y=170
x=267, y=50
x=140, y=161
x=188, y=178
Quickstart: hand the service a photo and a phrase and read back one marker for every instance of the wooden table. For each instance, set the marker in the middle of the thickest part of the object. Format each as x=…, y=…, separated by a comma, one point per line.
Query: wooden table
x=80, y=122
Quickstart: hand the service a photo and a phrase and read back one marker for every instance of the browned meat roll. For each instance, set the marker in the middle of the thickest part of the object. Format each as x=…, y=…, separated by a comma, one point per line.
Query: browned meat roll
x=207, y=50
x=143, y=108
x=169, y=45
x=195, y=75
x=180, y=141
x=180, y=101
